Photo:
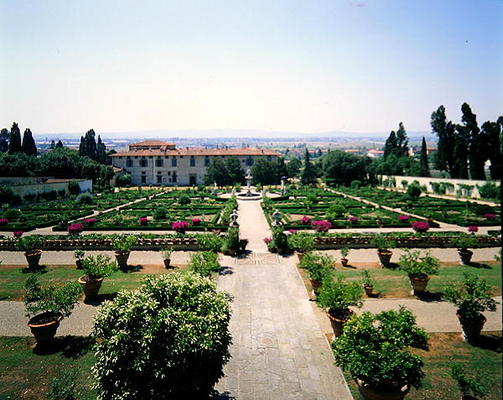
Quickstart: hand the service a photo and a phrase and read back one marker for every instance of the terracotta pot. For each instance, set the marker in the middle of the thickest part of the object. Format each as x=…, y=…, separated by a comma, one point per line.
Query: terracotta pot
x=418, y=283
x=121, y=257
x=44, y=333
x=344, y=262
x=368, y=289
x=78, y=263
x=384, y=257
x=370, y=393
x=167, y=262
x=465, y=256
x=471, y=327
x=33, y=258
x=91, y=287
x=316, y=285
x=338, y=322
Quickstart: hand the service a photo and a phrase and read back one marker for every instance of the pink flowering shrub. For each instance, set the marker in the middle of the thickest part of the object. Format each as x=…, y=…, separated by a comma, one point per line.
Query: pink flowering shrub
x=403, y=218
x=179, y=226
x=196, y=221
x=267, y=240
x=89, y=221
x=321, y=225
x=305, y=220
x=17, y=234
x=420, y=226
x=143, y=220
x=4, y=221
x=353, y=219
x=75, y=229
x=490, y=216
x=473, y=228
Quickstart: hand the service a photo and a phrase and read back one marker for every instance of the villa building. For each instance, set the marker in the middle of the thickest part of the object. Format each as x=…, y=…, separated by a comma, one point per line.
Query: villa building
x=154, y=162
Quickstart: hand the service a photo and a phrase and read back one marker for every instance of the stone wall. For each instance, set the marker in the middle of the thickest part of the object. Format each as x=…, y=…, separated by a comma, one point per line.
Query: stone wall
x=86, y=185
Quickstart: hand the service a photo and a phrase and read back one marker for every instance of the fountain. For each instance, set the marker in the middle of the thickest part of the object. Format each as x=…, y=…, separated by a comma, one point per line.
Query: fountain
x=249, y=194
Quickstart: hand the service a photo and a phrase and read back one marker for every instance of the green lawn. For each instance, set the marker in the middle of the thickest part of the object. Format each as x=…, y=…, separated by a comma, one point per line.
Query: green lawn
x=445, y=348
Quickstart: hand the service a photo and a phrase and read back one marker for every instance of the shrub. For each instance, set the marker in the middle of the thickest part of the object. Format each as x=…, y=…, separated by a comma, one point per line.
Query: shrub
x=403, y=218
x=160, y=213
x=311, y=197
x=317, y=266
x=230, y=242
x=468, y=385
x=179, y=226
x=382, y=243
x=98, y=267
x=143, y=220
x=124, y=242
x=490, y=216
x=196, y=221
x=353, y=219
x=169, y=339
x=337, y=296
x=420, y=226
x=75, y=229
x=367, y=279
x=418, y=265
x=6, y=195
x=204, y=263
x=73, y=187
x=356, y=183
x=123, y=180
x=280, y=240
x=413, y=191
x=473, y=228
x=89, y=221
x=84, y=198
x=64, y=386
x=29, y=243
x=210, y=242
x=12, y=213
x=489, y=191
x=321, y=225
x=305, y=220
x=184, y=199
x=336, y=211
x=17, y=234
x=301, y=242
x=464, y=242
x=374, y=349
x=3, y=221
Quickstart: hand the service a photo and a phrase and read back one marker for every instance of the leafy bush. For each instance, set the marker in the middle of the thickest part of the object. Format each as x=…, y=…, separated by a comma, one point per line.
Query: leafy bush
x=12, y=213
x=230, y=241
x=490, y=191
x=29, y=243
x=420, y=226
x=85, y=198
x=472, y=298
x=99, y=266
x=418, y=265
x=51, y=301
x=64, y=386
x=75, y=229
x=124, y=242
x=317, y=266
x=204, y=263
x=184, y=200
x=179, y=226
x=413, y=191
x=279, y=239
x=465, y=241
x=73, y=187
x=210, y=242
x=356, y=183
x=381, y=242
x=301, y=242
x=338, y=296
x=367, y=279
x=123, y=180
x=169, y=339
x=336, y=211
x=311, y=197
x=160, y=213
x=321, y=225
x=373, y=348
x=468, y=385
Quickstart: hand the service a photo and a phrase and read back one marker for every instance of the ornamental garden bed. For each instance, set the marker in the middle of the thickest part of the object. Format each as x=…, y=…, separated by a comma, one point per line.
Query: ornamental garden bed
x=462, y=213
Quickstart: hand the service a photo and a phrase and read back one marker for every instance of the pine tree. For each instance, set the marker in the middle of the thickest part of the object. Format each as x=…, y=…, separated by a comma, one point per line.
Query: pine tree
x=308, y=175
x=4, y=140
x=29, y=147
x=402, y=142
x=390, y=145
x=477, y=148
x=59, y=144
x=445, y=130
x=15, y=139
x=101, y=151
x=425, y=170
x=87, y=146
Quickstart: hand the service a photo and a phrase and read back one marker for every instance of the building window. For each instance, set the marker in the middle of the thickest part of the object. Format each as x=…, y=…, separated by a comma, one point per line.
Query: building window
x=206, y=161
x=143, y=179
x=159, y=178
x=129, y=162
x=143, y=162
x=173, y=161
x=192, y=161
x=159, y=162
x=249, y=161
x=174, y=177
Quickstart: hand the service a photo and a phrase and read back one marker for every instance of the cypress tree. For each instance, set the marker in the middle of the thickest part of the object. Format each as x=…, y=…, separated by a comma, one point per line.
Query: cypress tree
x=15, y=139
x=477, y=150
x=29, y=147
x=308, y=175
x=491, y=134
x=4, y=140
x=445, y=130
x=101, y=151
x=402, y=142
x=59, y=144
x=390, y=145
x=425, y=170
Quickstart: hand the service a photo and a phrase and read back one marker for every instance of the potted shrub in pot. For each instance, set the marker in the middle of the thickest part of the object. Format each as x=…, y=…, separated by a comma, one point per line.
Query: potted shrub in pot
x=383, y=245
x=122, y=246
x=419, y=268
x=367, y=282
x=344, y=254
x=470, y=387
x=374, y=349
x=79, y=257
x=336, y=296
x=301, y=242
x=47, y=306
x=96, y=269
x=472, y=299
x=166, y=257
x=31, y=247
x=463, y=243
x=318, y=267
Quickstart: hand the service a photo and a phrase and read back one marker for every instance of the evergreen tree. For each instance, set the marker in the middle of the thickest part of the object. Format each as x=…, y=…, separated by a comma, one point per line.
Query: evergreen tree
x=216, y=172
x=234, y=171
x=88, y=145
x=390, y=145
x=477, y=147
x=402, y=142
x=280, y=168
x=59, y=144
x=308, y=175
x=29, y=147
x=293, y=167
x=101, y=151
x=15, y=140
x=491, y=134
x=425, y=170
x=461, y=142
x=445, y=130
x=4, y=140
x=52, y=146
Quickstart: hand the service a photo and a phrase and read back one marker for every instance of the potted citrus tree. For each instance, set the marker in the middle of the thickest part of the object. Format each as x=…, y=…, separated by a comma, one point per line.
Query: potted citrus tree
x=471, y=299
x=47, y=306
x=318, y=267
x=79, y=256
x=31, y=247
x=122, y=246
x=419, y=268
x=463, y=243
x=367, y=282
x=375, y=350
x=470, y=387
x=336, y=296
x=344, y=254
x=166, y=257
x=383, y=245
x=96, y=269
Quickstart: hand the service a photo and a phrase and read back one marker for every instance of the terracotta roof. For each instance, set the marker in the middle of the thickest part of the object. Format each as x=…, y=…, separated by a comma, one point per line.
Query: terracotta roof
x=376, y=151
x=194, y=151
x=152, y=143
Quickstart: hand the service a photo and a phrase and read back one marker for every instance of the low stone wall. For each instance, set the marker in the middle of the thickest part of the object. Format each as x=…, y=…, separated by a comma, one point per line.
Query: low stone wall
x=19, y=189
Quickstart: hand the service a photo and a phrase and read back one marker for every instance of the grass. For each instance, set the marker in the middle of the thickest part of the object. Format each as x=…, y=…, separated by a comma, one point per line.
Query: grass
x=14, y=277
x=483, y=359
x=395, y=283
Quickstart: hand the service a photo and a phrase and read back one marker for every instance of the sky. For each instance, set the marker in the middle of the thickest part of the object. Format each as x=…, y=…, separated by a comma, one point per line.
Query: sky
x=301, y=66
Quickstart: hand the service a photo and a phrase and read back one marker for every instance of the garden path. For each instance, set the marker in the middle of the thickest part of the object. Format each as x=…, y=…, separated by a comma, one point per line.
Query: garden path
x=278, y=350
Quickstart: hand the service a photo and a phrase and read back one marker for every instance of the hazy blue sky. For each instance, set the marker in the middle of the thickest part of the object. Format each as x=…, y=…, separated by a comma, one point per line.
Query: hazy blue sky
x=304, y=66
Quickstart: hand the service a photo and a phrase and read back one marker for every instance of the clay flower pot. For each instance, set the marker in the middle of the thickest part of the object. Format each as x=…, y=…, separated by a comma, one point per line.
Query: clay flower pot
x=33, y=258
x=418, y=283
x=43, y=330
x=338, y=321
x=121, y=258
x=344, y=262
x=91, y=287
x=370, y=393
x=167, y=263
x=384, y=257
x=465, y=256
x=368, y=289
x=471, y=327
x=316, y=285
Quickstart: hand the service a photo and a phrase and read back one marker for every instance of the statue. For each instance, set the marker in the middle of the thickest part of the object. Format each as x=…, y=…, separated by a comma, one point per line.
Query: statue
x=283, y=189
x=234, y=217
x=233, y=192
x=248, y=178
x=276, y=215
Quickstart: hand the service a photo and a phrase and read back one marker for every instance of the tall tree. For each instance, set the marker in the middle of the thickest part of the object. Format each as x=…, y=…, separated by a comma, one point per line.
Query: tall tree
x=445, y=130
x=15, y=140
x=29, y=147
x=101, y=151
x=308, y=175
x=491, y=134
x=343, y=168
x=216, y=172
x=402, y=141
x=4, y=140
x=293, y=167
x=461, y=143
x=88, y=145
x=425, y=169
x=477, y=148
x=59, y=144
x=234, y=170
x=390, y=145
x=264, y=172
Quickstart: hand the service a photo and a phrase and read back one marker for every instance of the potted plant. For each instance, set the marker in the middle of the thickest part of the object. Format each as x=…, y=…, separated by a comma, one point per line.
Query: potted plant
x=301, y=242
x=204, y=263
x=95, y=269
x=471, y=299
x=318, y=267
x=31, y=247
x=374, y=350
x=344, y=254
x=367, y=282
x=469, y=386
x=47, y=306
x=79, y=256
x=280, y=240
x=166, y=257
x=122, y=246
x=336, y=296
x=462, y=243
x=419, y=268
x=383, y=245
